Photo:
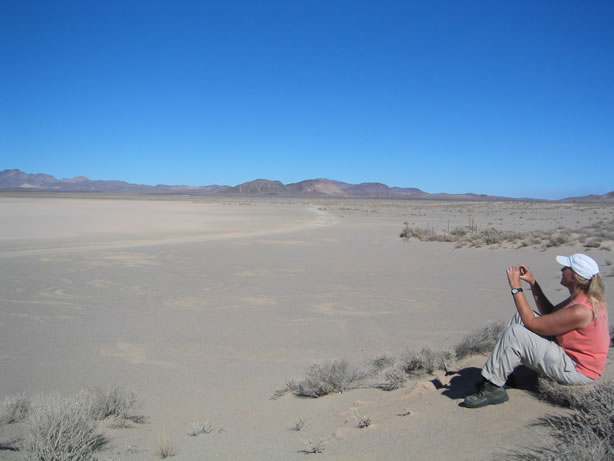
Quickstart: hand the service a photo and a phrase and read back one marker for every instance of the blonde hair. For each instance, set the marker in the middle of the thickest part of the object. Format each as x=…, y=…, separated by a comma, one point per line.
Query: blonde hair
x=594, y=289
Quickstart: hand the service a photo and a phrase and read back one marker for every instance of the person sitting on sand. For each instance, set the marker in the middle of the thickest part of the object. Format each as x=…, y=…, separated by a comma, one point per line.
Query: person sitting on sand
x=568, y=342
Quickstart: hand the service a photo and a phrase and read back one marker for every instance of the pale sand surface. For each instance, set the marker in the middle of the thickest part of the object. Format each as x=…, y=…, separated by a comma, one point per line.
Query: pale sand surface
x=204, y=307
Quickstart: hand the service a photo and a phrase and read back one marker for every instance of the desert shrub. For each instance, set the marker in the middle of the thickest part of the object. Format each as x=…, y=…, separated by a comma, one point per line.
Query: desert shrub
x=165, y=449
x=60, y=429
x=587, y=433
x=558, y=394
x=362, y=421
x=382, y=362
x=313, y=447
x=394, y=378
x=335, y=376
x=298, y=425
x=426, y=234
x=291, y=386
x=389, y=373
x=14, y=409
x=201, y=428
x=492, y=236
x=591, y=236
x=481, y=341
x=459, y=232
x=425, y=361
x=116, y=402
x=416, y=232
x=558, y=239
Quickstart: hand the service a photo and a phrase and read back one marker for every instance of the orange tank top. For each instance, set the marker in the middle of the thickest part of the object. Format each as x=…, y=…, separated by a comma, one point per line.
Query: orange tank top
x=588, y=346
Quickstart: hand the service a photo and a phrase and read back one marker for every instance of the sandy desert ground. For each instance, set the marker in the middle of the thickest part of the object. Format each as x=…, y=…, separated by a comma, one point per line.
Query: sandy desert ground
x=204, y=307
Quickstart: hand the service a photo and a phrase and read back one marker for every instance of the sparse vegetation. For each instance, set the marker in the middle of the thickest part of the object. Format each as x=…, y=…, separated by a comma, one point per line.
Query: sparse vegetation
x=201, y=428
x=14, y=409
x=362, y=421
x=115, y=403
x=165, y=449
x=425, y=361
x=335, y=376
x=298, y=425
x=481, y=341
x=587, y=433
x=591, y=236
x=394, y=378
x=60, y=429
x=313, y=447
x=389, y=373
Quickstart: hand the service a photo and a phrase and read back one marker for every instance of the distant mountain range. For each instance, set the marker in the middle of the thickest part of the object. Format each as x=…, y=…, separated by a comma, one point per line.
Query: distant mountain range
x=18, y=181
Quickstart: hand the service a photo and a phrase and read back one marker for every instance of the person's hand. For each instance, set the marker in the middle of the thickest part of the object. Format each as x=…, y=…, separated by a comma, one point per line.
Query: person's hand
x=526, y=274
x=513, y=276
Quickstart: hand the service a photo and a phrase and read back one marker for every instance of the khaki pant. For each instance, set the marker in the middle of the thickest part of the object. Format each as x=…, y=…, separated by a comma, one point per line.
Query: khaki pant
x=520, y=346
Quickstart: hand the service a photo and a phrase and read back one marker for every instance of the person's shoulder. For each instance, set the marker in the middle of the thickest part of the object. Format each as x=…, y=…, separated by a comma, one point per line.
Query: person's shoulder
x=581, y=311
x=565, y=303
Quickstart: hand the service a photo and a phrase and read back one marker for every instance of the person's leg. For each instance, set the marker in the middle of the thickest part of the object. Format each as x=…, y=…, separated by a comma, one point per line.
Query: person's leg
x=559, y=366
x=518, y=345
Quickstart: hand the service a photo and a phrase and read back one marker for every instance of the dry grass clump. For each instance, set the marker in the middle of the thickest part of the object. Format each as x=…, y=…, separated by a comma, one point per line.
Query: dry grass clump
x=588, y=433
x=382, y=362
x=165, y=449
x=329, y=377
x=481, y=341
x=591, y=236
x=463, y=236
x=426, y=361
x=394, y=378
x=201, y=428
x=115, y=403
x=389, y=373
x=298, y=425
x=362, y=421
x=313, y=447
x=14, y=409
x=60, y=429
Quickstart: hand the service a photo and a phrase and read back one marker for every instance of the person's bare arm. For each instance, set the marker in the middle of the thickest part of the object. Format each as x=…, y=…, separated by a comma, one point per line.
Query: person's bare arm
x=544, y=306
x=556, y=323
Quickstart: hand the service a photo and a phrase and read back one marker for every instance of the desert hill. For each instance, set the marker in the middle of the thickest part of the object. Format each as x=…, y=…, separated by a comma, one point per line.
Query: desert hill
x=14, y=180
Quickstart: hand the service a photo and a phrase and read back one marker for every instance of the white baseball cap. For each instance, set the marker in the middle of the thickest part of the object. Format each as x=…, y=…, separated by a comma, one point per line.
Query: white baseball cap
x=583, y=265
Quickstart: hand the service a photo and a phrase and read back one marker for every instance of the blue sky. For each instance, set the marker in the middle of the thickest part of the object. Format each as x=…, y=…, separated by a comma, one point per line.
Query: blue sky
x=510, y=98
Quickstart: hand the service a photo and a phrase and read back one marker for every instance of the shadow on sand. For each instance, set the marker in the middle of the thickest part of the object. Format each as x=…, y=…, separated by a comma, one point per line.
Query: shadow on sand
x=466, y=381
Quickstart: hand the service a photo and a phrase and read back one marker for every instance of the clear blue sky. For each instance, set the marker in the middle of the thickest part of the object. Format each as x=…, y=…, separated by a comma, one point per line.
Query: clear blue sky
x=499, y=97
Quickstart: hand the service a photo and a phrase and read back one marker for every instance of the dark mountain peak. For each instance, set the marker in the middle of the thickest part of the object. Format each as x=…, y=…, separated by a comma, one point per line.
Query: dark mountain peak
x=17, y=178
x=258, y=187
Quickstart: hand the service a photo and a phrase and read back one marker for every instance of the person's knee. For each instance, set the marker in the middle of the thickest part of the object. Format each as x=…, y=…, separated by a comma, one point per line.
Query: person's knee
x=518, y=333
x=517, y=330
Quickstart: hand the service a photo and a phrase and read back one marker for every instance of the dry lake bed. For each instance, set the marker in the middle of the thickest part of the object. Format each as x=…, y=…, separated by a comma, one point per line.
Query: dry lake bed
x=204, y=307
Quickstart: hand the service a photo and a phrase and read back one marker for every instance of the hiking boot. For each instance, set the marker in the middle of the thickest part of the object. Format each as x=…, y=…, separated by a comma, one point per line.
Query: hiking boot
x=489, y=394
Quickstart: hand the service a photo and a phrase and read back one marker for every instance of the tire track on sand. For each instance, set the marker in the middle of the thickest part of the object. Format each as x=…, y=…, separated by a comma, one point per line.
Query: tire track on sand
x=321, y=218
